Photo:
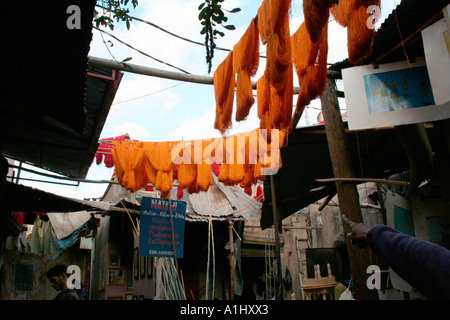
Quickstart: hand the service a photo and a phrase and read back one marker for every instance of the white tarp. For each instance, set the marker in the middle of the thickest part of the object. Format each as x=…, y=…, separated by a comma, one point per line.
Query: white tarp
x=65, y=223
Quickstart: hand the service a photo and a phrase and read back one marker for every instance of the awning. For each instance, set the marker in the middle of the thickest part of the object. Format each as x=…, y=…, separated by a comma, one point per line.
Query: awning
x=53, y=103
x=374, y=154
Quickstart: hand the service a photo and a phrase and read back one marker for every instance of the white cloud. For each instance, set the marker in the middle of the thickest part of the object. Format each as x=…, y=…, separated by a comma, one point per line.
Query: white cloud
x=134, y=129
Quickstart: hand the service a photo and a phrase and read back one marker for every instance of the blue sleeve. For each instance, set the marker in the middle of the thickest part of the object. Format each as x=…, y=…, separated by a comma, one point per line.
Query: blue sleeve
x=424, y=265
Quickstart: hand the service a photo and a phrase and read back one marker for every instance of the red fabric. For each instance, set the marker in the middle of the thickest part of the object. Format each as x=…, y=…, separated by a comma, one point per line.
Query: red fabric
x=19, y=217
x=215, y=168
x=179, y=193
x=259, y=192
x=248, y=190
x=105, y=147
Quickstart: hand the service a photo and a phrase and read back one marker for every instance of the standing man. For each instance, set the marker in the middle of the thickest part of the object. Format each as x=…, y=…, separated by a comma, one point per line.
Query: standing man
x=58, y=279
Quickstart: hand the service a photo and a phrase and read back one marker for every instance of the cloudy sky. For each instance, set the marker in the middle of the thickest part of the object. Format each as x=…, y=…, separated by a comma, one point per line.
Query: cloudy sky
x=154, y=109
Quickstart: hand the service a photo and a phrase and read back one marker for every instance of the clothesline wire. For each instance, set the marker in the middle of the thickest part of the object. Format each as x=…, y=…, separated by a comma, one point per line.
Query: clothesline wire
x=173, y=34
x=140, y=51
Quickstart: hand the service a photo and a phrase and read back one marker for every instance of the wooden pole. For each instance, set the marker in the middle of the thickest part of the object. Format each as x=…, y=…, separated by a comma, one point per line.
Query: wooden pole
x=230, y=234
x=276, y=225
x=346, y=191
x=171, y=75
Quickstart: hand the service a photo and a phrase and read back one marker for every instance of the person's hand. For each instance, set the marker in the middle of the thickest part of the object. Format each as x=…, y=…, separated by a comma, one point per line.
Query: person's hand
x=358, y=234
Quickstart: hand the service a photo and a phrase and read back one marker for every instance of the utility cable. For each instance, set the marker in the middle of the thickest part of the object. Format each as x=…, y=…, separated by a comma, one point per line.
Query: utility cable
x=140, y=51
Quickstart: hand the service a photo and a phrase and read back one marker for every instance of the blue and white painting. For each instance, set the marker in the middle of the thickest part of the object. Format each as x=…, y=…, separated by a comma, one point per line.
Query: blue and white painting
x=398, y=90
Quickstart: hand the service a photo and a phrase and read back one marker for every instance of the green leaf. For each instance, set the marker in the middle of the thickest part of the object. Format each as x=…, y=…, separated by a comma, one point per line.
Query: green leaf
x=229, y=27
x=127, y=66
x=201, y=5
x=235, y=10
x=204, y=13
x=127, y=59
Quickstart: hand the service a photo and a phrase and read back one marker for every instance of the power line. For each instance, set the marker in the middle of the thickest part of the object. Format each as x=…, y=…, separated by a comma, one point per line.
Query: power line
x=149, y=94
x=141, y=52
x=173, y=34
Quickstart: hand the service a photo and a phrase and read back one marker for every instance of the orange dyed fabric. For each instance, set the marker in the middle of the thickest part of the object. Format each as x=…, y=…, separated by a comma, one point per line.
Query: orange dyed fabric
x=359, y=36
x=244, y=95
x=130, y=159
x=245, y=64
x=262, y=95
x=312, y=69
x=316, y=14
x=271, y=16
x=224, y=83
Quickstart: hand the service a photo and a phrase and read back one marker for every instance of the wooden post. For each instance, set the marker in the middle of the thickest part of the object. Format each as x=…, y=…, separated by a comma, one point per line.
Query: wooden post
x=346, y=191
x=276, y=225
x=231, y=260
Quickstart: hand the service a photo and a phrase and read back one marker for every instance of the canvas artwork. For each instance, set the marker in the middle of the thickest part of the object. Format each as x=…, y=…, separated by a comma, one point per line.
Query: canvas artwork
x=116, y=277
x=398, y=90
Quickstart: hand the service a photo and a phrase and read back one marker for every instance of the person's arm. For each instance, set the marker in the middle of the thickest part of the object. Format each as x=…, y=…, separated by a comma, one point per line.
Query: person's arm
x=424, y=265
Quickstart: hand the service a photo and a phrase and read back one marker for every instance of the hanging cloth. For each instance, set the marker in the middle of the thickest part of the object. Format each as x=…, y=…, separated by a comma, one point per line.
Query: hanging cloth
x=262, y=95
x=270, y=16
x=160, y=158
x=279, y=75
x=236, y=171
x=103, y=150
x=245, y=64
x=353, y=15
x=312, y=78
x=187, y=172
x=204, y=171
x=342, y=12
x=131, y=159
x=150, y=170
x=359, y=36
x=224, y=84
x=316, y=13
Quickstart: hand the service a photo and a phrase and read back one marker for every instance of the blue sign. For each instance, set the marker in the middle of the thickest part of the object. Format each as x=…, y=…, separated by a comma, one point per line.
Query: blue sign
x=156, y=236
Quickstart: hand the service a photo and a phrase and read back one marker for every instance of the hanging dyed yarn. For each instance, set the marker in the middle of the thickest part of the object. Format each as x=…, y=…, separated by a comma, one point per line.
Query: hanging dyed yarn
x=160, y=158
x=187, y=172
x=204, y=172
x=353, y=15
x=262, y=96
x=304, y=51
x=244, y=95
x=239, y=159
x=359, y=36
x=342, y=12
x=246, y=51
x=312, y=68
x=245, y=64
x=271, y=16
x=131, y=159
x=249, y=168
x=236, y=171
x=224, y=83
x=149, y=168
x=316, y=14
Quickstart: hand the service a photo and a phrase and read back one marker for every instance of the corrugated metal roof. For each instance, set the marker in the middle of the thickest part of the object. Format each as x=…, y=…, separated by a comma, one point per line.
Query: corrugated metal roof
x=52, y=111
x=403, y=24
x=221, y=202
